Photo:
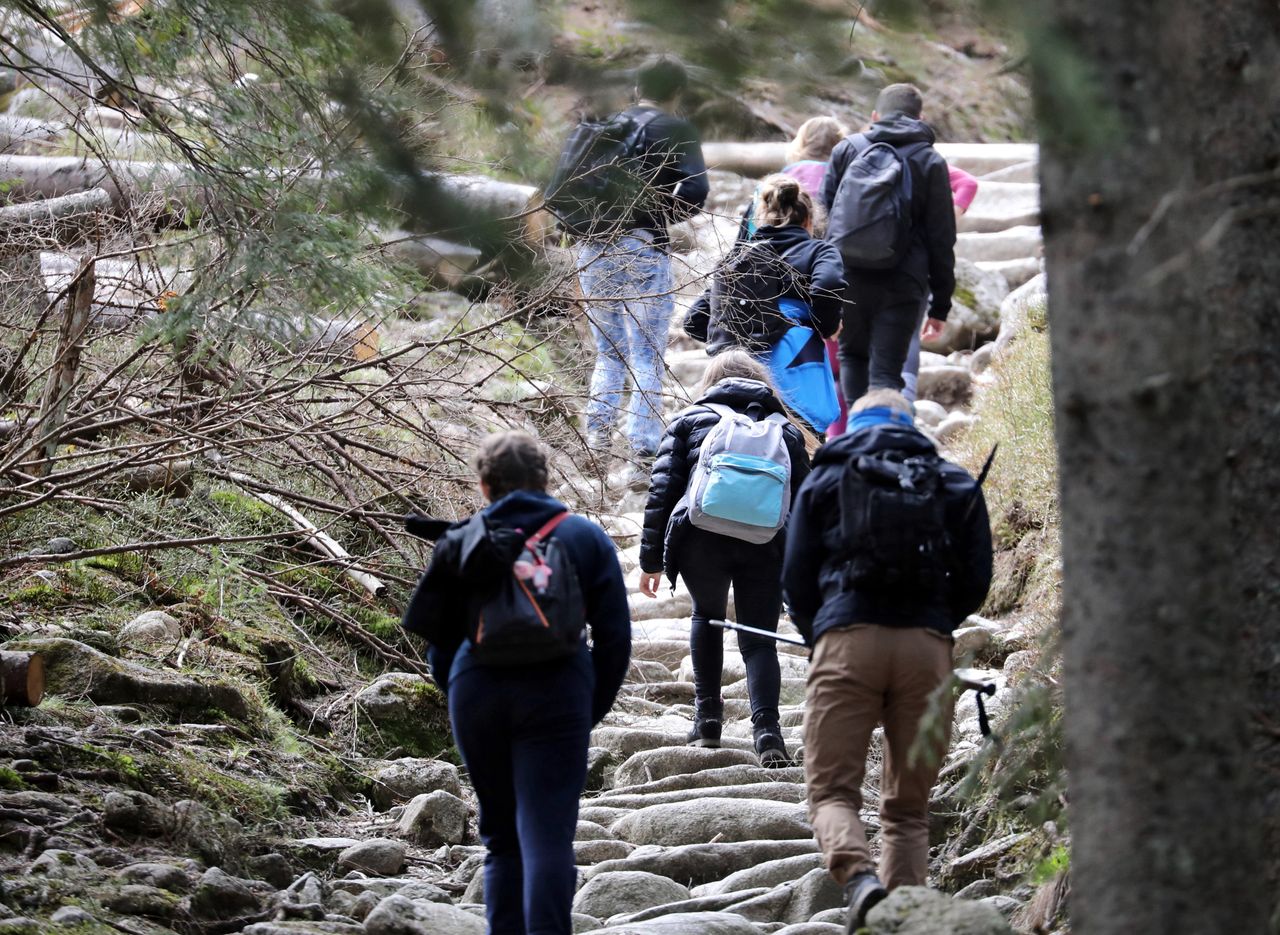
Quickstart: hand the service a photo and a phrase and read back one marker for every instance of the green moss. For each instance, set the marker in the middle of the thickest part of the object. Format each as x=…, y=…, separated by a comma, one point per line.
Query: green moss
x=965, y=297
x=380, y=624
x=10, y=778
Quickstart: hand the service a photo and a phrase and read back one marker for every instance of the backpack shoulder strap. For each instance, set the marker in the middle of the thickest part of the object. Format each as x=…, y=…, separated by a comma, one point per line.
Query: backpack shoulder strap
x=547, y=528
x=721, y=410
x=633, y=141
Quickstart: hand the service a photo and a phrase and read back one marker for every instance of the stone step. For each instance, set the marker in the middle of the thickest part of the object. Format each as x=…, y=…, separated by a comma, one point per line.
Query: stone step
x=1002, y=205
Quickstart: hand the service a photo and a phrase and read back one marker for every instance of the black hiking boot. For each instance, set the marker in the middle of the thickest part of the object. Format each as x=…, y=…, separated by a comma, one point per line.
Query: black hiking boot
x=862, y=892
x=706, y=728
x=770, y=747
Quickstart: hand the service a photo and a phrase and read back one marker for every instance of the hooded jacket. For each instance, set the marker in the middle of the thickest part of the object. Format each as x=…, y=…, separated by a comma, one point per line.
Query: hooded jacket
x=441, y=604
x=819, y=284
x=666, y=518
x=814, y=567
x=931, y=259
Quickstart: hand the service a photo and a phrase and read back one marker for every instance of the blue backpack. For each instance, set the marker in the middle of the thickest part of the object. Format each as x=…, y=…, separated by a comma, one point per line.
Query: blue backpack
x=741, y=485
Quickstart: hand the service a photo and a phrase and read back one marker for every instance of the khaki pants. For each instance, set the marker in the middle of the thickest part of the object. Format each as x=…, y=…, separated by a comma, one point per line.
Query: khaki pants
x=862, y=676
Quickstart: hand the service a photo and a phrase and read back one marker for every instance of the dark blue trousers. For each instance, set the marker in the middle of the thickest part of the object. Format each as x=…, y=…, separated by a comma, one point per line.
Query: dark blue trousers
x=523, y=734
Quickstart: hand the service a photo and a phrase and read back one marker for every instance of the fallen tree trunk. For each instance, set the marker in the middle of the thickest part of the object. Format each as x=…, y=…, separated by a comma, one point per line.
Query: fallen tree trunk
x=62, y=377
x=21, y=679
x=62, y=221
x=438, y=260
x=755, y=160
x=28, y=135
x=321, y=541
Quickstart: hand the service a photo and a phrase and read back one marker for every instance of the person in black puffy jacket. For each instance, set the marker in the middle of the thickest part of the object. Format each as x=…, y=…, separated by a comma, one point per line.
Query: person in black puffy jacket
x=710, y=562
x=812, y=283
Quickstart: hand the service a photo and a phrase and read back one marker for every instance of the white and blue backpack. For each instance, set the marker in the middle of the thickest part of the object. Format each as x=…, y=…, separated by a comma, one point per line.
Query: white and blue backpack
x=741, y=485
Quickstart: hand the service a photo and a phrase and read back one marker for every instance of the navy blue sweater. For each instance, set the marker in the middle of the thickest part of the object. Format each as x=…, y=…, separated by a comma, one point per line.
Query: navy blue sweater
x=439, y=608
x=813, y=570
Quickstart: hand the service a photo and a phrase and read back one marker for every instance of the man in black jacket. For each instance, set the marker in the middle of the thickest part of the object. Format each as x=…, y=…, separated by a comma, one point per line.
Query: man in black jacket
x=883, y=305
x=626, y=274
x=880, y=629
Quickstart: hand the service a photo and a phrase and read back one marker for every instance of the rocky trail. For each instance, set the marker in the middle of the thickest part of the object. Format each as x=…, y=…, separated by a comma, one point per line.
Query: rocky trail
x=671, y=839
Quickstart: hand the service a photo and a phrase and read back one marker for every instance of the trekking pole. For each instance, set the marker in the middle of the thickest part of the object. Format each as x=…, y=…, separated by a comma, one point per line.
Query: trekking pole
x=980, y=687
x=780, y=637
x=982, y=476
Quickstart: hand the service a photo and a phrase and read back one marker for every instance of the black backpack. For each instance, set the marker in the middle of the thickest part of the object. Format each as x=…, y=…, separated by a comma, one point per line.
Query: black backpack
x=870, y=220
x=893, y=526
x=602, y=179
x=745, y=289
x=527, y=605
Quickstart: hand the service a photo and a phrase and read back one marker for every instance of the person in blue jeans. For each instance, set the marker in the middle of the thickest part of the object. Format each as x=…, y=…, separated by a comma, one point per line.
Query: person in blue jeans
x=523, y=730
x=626, y=276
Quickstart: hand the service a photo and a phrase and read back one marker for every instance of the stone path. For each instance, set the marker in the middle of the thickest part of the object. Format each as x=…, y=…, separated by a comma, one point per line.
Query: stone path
x=680, y=840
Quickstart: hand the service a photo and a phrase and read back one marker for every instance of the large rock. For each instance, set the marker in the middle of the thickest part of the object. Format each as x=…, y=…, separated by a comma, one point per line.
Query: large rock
x=1015, y=272
x=397, y=915
x=665, y=606
x=975, y=311
x=152, y=626
x=790, y=692
x=586, y=853
x=219, y=895
x=379, y=856
x=683, y=923
x=626, y=891
x=624, y=742
x=769, y=874
x=949, y=385
x=699, y=821
x=697, y=864
x=413, y=776
x=434, y=818
x=80, y=671
x=982, y=860
x=1019, y=307
x=773, y=791
x=916, y=910
x=740, y=775
x=404, y=710
x=648, y=765
x=794, y=901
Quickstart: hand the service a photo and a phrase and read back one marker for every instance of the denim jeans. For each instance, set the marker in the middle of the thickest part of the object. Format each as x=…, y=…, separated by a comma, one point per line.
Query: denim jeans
x=627, y=284
x=911, y=369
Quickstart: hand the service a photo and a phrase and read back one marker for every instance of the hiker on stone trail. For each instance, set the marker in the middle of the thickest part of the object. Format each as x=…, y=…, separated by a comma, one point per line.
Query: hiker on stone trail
x=889, y=211
x=777, y=295
x=888, y=550
x=719, y=525
x=505, y=604
x=964, y=188
x=620, y=183
x=808, y=156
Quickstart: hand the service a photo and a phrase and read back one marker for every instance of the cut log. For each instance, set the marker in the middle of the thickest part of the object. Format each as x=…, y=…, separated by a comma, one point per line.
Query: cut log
x=28, y=135
x=756, y=160
x=21, y=679
x=52, y=176
x=321, y=541
x=64, y=221
x=495, y=199
x=349, y=338
x=438, y=260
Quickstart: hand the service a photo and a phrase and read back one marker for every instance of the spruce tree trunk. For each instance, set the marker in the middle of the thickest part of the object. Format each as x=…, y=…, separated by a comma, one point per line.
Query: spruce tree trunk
x=1164, y=295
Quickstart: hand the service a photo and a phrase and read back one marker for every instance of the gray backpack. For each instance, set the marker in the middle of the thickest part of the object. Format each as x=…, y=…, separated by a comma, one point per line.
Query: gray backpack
x=741, y=485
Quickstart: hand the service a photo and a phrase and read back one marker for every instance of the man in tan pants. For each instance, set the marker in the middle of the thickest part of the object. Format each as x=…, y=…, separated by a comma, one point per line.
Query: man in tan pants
x=888, y=549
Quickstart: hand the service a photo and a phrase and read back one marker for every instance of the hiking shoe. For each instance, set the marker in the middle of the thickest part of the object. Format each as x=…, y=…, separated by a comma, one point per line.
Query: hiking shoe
x=771, y=748
x=705, y=731
x=862, y=892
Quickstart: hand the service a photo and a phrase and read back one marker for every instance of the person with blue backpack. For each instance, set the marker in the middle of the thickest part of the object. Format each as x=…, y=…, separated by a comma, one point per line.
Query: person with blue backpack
x=889, y=212
x=719, y=498
x=506, y=604
x=778, y=295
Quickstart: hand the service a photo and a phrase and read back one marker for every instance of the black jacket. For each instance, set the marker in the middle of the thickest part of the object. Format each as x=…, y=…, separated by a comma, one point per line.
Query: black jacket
x=439, y=607
x=931, y=260
x=664, y=524
x=814, y=565
x=820, y=284
x=673, y=153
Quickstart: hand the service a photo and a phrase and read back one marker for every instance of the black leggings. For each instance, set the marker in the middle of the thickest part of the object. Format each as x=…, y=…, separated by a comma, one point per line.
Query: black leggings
x=709, y=564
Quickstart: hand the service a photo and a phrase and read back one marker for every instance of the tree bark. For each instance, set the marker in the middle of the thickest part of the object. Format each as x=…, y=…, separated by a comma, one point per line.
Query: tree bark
x=1160, y=234
x=62, y=221
x=756, y=160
